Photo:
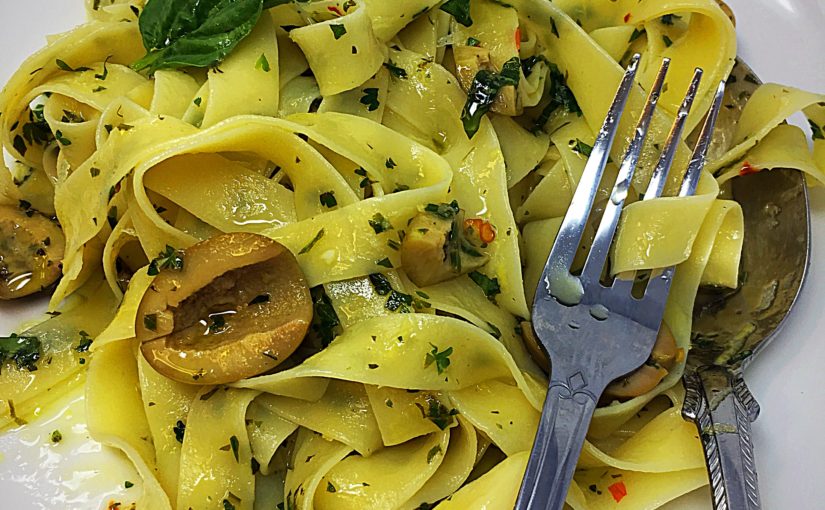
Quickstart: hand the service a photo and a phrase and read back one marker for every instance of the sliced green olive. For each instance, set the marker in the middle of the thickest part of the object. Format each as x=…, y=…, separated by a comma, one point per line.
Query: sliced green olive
x=31, y=251
x=238, y=307
x=645, y=378
x=436, y=248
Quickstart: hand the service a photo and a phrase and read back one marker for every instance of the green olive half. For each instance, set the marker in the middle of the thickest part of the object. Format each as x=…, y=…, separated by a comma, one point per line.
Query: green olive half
x=31, y=250
x=238, y=307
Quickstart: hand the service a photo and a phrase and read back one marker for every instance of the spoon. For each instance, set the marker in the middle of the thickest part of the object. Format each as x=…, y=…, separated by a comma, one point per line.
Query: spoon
x=730, y=327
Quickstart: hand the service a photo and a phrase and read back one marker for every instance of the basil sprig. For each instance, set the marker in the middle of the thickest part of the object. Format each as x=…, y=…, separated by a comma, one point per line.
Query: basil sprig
x=196, y=33
x=483, y=92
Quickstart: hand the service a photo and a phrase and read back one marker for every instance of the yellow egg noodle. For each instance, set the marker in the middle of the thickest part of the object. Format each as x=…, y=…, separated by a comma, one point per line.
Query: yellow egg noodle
x=371, y=113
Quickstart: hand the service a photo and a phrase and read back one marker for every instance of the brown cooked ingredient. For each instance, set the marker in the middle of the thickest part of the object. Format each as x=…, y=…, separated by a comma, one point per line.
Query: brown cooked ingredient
x=664, y=357
x=31, y=252
x=239, y=307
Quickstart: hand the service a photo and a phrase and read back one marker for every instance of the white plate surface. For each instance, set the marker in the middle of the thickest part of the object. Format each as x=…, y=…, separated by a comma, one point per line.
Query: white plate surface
x=781, y=39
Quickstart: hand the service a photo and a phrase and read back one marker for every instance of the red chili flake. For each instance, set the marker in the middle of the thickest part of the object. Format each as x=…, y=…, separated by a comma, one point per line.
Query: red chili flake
x=747, y=169
x=627, y=17
x=485, y=230
x=335, y=9
x=618, y=491
x=518, y=38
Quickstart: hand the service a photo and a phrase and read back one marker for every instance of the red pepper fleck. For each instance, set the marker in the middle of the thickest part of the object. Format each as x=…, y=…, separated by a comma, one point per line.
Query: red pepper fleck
x=618, y=491
x=335, y=9
x=747, y=169
x=485, y=230
x=518, y=38
x=627, y=17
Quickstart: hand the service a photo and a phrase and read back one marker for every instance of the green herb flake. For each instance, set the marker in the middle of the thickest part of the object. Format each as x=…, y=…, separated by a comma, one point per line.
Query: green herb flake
x=370, y=99
x=385, y=262
x=260, y=300
x=63, y=66
x=234, y=444
x=472, y=41
x=388, y=403
x=667, y=40
x=380, y=224
x=85, y=342
x=170, y=258
x=306, y=249
x=489, y=286
x=399, y=302
x=816, y=131
x=324, y=321
x=128, y=484
x=62, y=140
x=381, y=283
x=553, y=28
x=636, y=34
x=395, y=71
x=435, y=450
x=390, y=164
x=372, y=366
x=668, y=19
x=494, y=330
x=94, y=172
x=338, y=31
x=150, y=321
x=330, y=487
x=443, y=211
x=56, y=436
x=460, y=10
x=198, y=101
x=23, y=351
x=227, y=505
x=581, y=147
x=438, y=413
x=328, y=199
x=179, y=430
x=440, y=359
x=262, y=64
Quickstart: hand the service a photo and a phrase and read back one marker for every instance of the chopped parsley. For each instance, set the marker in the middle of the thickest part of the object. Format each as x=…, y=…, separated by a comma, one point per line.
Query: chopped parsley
x=338, y=31
x=560, y=97
x=397, y=72
x=198, y=101
x=816, y=131
x=381, y=283
x=667, y=19
x=636, y=34
x=667, y=40
x=370, y=99
x=24, y=351
x=494, y=330
x=56, y=437
x=472, y=41
x=261, y=299
x=438, y=413
x=85, y=342
x=553, y=28
x=170, y=258
x=262, y=63
x=581, y=147
x=490, y=286
x=306, y=249
x=63, y=66
x=62, y=140
x=443, y=211
x=328, y=199
x=484, y=91
x=459, y=9
x=330, y=487
x=325, y=320
x=390, y=164
x=385, y=262
x=435, y=450
x=380, y=224
x=180, y=430
x=150, y=321
x=234, y=444
x=128, y=484
x=440, y=359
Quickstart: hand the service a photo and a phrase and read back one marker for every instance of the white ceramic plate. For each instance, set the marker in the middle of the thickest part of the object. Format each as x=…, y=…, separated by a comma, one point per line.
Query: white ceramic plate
x=781, y=39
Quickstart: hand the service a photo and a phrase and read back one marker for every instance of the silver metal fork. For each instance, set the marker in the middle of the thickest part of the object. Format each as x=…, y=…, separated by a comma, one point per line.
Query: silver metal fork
x=595, y=332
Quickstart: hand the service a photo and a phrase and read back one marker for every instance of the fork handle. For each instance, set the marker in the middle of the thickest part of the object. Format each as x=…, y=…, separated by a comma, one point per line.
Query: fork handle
x=567, y=411
x=722, y=407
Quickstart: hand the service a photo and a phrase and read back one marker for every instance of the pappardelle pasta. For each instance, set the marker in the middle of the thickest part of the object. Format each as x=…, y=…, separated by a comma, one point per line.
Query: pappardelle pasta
x=290, y=245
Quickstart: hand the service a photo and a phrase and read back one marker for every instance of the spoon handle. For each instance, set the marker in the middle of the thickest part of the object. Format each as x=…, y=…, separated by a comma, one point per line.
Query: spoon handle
x=722, y=407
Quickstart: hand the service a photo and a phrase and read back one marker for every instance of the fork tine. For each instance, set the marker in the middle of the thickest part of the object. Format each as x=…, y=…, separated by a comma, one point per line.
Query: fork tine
x=557, y=269
x=610, y=220
x=658, y=288
x=659, y=178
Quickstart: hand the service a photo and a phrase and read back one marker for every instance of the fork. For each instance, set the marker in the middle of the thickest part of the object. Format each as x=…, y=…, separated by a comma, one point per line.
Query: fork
x=595, y=332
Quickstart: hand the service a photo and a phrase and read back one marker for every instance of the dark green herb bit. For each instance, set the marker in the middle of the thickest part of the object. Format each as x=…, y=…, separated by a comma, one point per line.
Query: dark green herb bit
x=460, y=10
x=24, y=351
x=443, y=211
x=483, y=92
x=381, y=283
x=560, y=97
x=234, y=444
x=390, y=164
x=85, y=342
x=306, y=249
x=62, y=140
x=128, y=484
x=94, y=172
x=435, y=450
x=170, y=258
x=667, y=40
x=490, y=286
x=494, y=330
x=328, y=199
x=380, y=224
x=581, y=147
x=472, y=41
x=816, y=131
x=262, y=63
x=66, y=67
x=370, y=99
x=150, y=321
x=636, y=34
x=529, y=63
x=330, y=487
x=227, y=505
x=217, y=324
x=372, y=366
x=180, y=430
x=441, y=359
x=667, y=19
x=399, y=301
x=338, y=31
x=56, y=437
x=397, y=72
x=438, y=413
x=325, y=320
x=385, y=262
x=259, y=300
x=202, y=36
x=553, y=28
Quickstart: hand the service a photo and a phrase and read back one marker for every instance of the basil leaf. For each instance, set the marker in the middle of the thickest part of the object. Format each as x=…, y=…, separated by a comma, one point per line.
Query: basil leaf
x=198, y=33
